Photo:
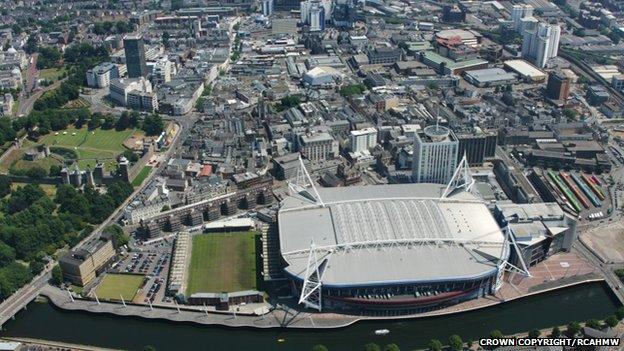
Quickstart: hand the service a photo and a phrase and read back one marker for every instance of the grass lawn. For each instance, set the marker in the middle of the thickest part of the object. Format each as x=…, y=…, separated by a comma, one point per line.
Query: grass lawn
x=104, y=145
x=51, y=74
x=222, y=263
x=141, y=176
x=114, y=285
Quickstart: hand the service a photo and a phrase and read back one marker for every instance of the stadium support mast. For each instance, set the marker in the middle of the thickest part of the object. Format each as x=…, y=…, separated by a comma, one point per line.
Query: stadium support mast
x=311, y=290
x=302, y=182
x=504, y=265
x=462, y=178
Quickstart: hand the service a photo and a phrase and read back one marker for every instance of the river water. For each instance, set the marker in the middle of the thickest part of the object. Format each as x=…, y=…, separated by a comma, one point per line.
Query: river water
x=44, y=321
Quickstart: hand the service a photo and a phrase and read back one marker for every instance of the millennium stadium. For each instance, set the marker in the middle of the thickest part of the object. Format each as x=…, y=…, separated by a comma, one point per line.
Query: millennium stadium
x=403, y=247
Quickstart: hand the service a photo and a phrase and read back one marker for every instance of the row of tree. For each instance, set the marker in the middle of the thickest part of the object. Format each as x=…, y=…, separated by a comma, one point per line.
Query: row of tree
x=109, y=27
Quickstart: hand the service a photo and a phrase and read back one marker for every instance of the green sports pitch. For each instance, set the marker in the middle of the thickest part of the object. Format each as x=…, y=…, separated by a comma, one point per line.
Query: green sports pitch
x=113, y=286
x=222, y=263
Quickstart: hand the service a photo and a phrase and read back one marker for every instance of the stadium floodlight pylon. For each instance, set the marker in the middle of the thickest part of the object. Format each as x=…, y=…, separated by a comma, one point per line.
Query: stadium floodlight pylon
x=311, y=293
x=302, y=182
x=462, y=178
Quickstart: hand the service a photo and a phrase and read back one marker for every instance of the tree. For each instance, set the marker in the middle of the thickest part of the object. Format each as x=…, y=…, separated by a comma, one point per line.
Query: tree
x=456, y=342
x=533, y=334
x=165, y=39
x=7, y=254
x=619, y=313
x=5, y=185
x=153, y=125
x=290, y=101
x=36, y=172
x=435, y=345
x=593, y=323
x=573, y=328
x=119, y=237
x=371, y=346
x=392, y=347
x=131, y=156
x=55, y=170
x=556, y=332
x=611, y=321
x=318, y=348
x=123, y=122
x=496, y=334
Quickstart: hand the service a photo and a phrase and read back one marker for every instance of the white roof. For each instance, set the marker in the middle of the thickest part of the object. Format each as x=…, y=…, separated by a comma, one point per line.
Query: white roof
x=524, y=68
x=391, y=213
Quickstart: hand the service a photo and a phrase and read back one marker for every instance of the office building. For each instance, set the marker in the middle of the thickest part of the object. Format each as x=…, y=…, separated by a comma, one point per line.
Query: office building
x=100, y=75
x=541, y=43
x=317, y=17
x=81, y=266
x=518, y=12
x=435, y=155
x=318, y=146
x=363, y=139
x=135, y=56
x=452, y=13
x=267, y=7
x=558, y=87
x=135, y=93
x=478, y=145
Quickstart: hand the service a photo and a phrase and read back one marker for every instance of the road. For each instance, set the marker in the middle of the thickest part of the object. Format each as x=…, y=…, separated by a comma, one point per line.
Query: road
x=26, y=105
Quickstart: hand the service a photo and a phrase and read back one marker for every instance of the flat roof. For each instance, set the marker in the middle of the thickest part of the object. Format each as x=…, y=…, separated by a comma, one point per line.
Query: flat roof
x=525, y=69
x=385, y=213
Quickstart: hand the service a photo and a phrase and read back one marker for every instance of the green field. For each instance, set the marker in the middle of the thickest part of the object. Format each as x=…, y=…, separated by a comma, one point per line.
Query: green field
x=141, y=176
x=100, y=144
x=222, y=263
x=115, y=285
x=51, y=74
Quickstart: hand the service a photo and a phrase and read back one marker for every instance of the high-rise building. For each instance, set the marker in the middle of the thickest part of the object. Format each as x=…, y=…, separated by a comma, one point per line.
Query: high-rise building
x=435, y=155
x=452, y=13
x=558, y=87
x=518, y=12
x=477, y=145
x=267, y=7
x=318, y=146
x=317, y=17
x=363, y=139
x=541, y=44
x=135, y=56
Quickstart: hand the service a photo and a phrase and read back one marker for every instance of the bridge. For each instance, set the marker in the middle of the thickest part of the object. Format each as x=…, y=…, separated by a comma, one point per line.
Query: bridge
x=26, y=294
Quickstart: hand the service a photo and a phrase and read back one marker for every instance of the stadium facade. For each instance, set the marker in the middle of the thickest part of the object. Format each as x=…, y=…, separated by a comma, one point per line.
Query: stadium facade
x=391, y=249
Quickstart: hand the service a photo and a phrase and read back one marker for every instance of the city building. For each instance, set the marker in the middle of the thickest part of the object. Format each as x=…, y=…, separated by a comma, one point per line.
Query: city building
x=6, y=104
x=526, y=71
x=135, y=93
x=134, y=48
x=518, y=12
x=541, y=43
x=318, y=146
x=82, y=265
x=100, y=75
x=267, y=8
x=383, y=55
x=477, y=145
x=540, y=229
x=363, y=139
x=558, y=87
x=490, y=77
x=435, y=155
x=453, y=13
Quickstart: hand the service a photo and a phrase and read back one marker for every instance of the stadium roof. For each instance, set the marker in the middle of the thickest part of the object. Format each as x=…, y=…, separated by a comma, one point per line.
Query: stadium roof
x=389, y=234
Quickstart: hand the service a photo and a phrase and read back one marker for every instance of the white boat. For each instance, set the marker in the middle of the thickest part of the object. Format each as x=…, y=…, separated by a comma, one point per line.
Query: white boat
x=382, y=332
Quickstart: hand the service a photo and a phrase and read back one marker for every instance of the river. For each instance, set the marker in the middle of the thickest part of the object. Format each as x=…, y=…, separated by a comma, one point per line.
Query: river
x=44, y=321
